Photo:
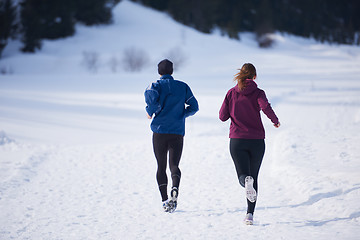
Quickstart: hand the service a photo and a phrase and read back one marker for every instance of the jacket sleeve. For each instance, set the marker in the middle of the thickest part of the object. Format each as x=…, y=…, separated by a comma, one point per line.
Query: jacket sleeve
x=192, y=103
x=152, y=99
x=266, y=107
x=224, y=113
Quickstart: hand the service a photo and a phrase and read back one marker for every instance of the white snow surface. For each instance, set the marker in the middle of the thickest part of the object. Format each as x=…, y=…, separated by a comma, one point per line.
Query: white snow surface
x=76, y=159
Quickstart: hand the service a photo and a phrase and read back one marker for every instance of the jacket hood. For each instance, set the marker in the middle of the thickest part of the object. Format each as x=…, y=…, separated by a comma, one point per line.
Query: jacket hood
x=251, y=86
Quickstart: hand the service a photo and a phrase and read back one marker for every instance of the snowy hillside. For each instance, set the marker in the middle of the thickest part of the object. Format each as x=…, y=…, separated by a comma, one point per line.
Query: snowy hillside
x=76, y=158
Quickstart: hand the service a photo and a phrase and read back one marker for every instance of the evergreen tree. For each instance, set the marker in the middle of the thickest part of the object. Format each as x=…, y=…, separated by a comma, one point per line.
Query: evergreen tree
x=7, y=22
x=92, y=12
x=264, y=18
x=196, y=13
x=31, y=22
x=42, y=19
x=161, y=5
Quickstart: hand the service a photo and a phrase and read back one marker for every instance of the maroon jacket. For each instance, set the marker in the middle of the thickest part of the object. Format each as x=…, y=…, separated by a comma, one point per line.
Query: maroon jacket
x=243, y=107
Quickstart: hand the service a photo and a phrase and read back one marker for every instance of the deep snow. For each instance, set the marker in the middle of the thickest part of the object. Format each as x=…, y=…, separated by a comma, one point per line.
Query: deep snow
x=76, y=159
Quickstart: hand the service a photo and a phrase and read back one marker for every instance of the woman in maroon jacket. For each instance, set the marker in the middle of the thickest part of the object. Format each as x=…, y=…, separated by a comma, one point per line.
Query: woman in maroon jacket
x=242, y=105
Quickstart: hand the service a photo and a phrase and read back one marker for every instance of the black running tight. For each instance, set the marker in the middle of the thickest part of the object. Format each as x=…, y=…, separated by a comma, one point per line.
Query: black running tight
x=164, y=144
x=247, y=155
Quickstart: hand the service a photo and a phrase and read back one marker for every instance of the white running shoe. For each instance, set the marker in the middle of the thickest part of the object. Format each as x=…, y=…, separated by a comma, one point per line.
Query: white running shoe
x=174, y=193
x=249, y=219
x=249, y=188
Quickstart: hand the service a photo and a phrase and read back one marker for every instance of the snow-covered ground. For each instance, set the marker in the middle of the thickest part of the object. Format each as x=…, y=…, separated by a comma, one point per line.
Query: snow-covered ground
x=76, y=158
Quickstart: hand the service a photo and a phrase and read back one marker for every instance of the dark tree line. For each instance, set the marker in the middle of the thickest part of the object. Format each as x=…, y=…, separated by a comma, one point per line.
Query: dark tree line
x=35, y=20
x=332, y=21
x=7, y=22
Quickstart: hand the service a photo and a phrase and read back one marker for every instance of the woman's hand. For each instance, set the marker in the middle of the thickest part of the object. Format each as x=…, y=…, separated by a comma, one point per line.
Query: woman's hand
x=149, y=117
x=277, y=125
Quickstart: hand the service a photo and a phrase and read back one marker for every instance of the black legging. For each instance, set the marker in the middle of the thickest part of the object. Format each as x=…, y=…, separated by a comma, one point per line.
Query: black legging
x=164, y=144
x=247, y=155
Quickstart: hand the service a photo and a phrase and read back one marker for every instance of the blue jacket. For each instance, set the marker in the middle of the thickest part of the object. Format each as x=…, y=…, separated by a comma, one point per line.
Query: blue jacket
x=171, y=101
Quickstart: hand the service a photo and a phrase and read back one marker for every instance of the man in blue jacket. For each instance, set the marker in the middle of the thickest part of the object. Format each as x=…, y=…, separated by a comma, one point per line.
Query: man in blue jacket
x=171, y=101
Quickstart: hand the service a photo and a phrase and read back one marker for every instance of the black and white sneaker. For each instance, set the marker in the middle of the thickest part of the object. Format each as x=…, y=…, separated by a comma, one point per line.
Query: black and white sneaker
x=174, y=193
x=249, y=188
x=166, y=206
x=173, y=201
x=172, y=206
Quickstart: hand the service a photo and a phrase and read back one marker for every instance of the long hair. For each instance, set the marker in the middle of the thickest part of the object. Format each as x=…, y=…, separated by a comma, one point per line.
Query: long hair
x=247, y=71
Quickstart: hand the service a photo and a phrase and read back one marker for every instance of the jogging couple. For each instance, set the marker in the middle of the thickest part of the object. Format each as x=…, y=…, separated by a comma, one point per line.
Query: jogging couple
x=170, y=102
